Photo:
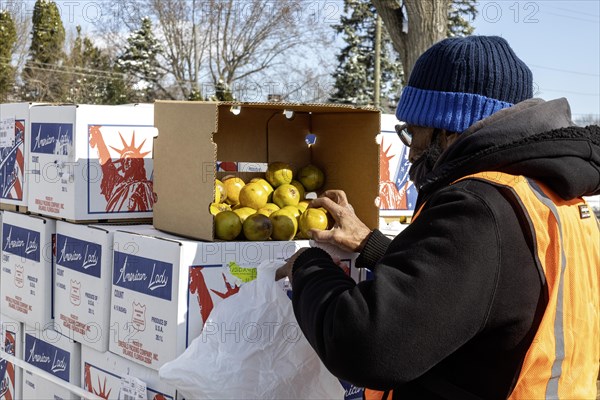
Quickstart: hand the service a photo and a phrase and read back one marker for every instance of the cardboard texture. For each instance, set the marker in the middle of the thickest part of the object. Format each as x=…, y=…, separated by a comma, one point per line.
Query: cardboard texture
x=82, y=281
x=11, y=342
x=101, y=374
x=91, y=163
x=26, y=276
x=193, y=136
x=156, y=277
x=55, y=354
x=14, y=154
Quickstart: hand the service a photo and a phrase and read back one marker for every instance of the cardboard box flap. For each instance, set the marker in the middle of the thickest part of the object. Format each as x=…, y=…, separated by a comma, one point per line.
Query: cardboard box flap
x=184, y=156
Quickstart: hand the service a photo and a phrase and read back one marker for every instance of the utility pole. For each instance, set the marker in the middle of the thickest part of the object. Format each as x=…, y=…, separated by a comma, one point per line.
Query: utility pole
x=377, y=80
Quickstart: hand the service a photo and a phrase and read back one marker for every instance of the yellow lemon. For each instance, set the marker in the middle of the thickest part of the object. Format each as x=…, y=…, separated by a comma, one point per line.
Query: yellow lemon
x=311, y=177
x=227, y=225
x=293, y=210
x=257, y=227
x=253, y=195
x=279, y=173
x=220, y=192
x=264, y=183
x=268, y=209
x=285, y=225
x=303, y=205
x=300, y=188
x=286, y=195
x=216, y=208
x=244, y=212
x=233, y=186
x=312, y=218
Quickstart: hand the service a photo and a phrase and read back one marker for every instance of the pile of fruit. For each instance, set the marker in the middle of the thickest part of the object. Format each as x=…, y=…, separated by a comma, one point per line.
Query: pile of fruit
x=273, y=207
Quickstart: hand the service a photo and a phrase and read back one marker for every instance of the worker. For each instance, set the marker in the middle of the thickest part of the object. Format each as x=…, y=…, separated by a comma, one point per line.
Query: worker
x=493, y=290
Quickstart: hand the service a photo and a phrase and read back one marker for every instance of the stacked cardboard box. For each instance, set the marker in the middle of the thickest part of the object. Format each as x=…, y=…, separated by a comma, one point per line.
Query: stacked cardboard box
x=14, y=155
x=125, y=299
x=55, y=354
x=91, y=163
x=102, y=373
x=11, y=342
x=26, y=275
x=164, y=287
x=82, y=280
x=82, y=164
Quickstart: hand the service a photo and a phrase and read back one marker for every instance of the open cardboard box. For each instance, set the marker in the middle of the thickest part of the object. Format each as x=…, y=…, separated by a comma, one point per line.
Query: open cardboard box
x=193, y=136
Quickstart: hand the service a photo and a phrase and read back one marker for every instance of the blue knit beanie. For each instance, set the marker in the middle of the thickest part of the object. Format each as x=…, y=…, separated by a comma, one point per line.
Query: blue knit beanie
x=459, y=81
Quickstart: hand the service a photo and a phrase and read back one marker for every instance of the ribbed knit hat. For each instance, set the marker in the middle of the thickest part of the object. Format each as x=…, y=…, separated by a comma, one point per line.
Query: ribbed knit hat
x=459, y=81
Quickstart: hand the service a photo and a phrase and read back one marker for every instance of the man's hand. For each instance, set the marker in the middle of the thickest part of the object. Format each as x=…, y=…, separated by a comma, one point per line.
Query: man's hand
x=286, y=269
x=349, y=233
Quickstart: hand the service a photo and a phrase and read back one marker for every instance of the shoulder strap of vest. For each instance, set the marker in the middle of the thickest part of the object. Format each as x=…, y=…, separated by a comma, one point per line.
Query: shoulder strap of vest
x=492, y=177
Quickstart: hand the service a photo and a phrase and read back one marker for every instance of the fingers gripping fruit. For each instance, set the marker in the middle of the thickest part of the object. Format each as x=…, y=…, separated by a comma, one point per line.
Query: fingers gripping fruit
x=312, y=218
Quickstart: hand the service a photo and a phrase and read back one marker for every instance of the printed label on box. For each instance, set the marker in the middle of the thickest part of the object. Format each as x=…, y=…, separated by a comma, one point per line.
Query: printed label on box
x=12, y=160
x=132, y=388
x=120, y=169
x=47, y=357
x=142, y=324
x=79, y=255
x=7, y=132
x=143, y=275
x=21, y=242
x=51, y=138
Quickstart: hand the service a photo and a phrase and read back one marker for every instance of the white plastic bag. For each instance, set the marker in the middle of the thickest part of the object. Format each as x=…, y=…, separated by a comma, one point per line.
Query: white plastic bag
x=251, y=347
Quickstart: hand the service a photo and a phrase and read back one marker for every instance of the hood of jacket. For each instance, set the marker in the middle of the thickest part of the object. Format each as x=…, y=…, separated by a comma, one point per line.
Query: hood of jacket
x=534, y=138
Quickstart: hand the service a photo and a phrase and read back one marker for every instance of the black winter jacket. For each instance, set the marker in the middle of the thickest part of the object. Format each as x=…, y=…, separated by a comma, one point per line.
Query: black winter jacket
x=456, y=297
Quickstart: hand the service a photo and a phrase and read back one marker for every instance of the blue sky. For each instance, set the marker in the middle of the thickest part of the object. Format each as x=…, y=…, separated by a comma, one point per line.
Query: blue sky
x=559, y=40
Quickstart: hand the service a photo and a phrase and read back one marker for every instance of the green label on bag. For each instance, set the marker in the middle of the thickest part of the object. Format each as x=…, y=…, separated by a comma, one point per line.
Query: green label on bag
x=244, y=274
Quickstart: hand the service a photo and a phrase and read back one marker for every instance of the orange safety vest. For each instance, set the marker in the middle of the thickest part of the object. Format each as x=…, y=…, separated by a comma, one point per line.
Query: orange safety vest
x=563, y=359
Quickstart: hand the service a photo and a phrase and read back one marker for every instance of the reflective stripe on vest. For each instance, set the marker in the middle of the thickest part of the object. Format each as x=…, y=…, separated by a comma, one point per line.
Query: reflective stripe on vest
x=563, y=359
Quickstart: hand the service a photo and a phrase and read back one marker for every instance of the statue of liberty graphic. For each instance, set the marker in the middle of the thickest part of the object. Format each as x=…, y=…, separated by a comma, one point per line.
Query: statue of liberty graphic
x=124, y=183
x=389, y=197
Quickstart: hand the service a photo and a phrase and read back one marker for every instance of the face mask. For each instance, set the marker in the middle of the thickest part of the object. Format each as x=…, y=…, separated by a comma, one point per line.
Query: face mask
x=424, y=164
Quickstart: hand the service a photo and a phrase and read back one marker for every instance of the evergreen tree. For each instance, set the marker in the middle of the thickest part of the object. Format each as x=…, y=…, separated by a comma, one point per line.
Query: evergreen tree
x=354, y=76
x=43, y=78
x=94, y=76
x=459, y=15
x=140, y=61
x=8, y=38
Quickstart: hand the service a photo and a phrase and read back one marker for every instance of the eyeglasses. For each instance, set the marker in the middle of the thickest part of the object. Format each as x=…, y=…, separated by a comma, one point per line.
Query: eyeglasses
x=404, y=134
